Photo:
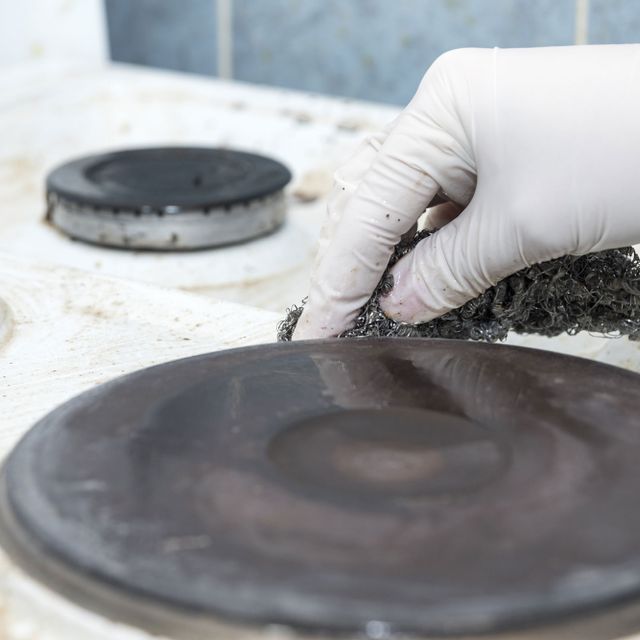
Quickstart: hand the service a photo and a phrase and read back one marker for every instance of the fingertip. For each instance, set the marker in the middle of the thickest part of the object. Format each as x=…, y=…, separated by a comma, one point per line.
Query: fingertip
x=403, y=304
x=313, y=324
x=305, y=329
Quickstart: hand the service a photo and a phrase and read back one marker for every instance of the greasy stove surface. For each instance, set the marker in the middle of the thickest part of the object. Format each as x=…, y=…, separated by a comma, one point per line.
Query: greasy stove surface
x=429, y=487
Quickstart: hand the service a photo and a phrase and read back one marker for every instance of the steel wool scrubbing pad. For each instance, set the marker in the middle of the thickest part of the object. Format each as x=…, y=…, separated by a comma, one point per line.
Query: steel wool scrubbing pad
x=597, y=292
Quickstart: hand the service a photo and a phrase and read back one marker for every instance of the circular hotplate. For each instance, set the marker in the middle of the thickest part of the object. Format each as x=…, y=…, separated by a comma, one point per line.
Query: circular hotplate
x=434, y=488
x=167, y=197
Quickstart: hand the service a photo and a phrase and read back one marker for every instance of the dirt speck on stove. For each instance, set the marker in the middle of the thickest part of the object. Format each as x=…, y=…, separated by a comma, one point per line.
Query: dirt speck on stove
x=6, y=323
x=313, y=185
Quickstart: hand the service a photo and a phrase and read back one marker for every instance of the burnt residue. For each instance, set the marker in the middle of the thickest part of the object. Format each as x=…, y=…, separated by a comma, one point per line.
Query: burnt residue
x=598, y=292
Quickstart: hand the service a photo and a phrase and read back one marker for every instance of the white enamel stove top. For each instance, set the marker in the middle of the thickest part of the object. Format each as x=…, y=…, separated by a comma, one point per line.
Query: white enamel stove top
x=66, y=326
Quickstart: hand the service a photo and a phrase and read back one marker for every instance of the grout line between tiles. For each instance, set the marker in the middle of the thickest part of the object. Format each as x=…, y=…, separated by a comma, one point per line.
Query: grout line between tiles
x=582, y=22
x=224, y=33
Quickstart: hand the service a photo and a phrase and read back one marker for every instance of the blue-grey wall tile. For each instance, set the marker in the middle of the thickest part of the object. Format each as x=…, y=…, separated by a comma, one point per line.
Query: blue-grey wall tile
x=379, y=49
x=172, y=34
x=614, y=21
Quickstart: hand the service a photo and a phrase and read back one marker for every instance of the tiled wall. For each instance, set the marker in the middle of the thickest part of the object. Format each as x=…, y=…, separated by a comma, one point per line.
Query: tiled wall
x=614, y=21
x=368, y=49
x=171, y=34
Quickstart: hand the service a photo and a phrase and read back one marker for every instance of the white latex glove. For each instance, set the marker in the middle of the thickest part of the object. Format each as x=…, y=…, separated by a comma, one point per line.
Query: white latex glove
x=540, y=147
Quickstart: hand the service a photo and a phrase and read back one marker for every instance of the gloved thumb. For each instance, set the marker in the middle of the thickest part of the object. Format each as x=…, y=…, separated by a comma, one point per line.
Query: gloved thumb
x=454, y=265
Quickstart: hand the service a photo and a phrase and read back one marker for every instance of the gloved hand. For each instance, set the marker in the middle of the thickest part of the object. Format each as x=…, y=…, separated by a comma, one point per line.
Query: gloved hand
x=538, y=152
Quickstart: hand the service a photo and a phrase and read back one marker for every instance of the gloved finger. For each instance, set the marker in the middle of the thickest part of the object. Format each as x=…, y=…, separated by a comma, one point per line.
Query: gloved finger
x=454, y=265
x=387, y=203
x=345, y=181
x=442, y=214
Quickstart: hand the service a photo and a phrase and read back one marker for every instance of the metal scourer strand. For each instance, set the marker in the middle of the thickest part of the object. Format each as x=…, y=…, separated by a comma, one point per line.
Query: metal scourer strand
x=598, y=292
x=167, y=198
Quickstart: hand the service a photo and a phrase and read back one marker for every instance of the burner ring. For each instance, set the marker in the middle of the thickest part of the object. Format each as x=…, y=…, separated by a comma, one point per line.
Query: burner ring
x=167, y=198
x=505, y=500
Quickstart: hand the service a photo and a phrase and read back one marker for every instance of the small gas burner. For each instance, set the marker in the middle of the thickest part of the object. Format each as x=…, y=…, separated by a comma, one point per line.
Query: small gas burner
x=432, y=488
x=167, y=198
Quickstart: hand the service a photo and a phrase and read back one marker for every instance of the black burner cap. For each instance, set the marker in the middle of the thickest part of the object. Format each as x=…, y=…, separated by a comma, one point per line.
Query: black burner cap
x=168, y=198
x=185, y=177
x=433, y=488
